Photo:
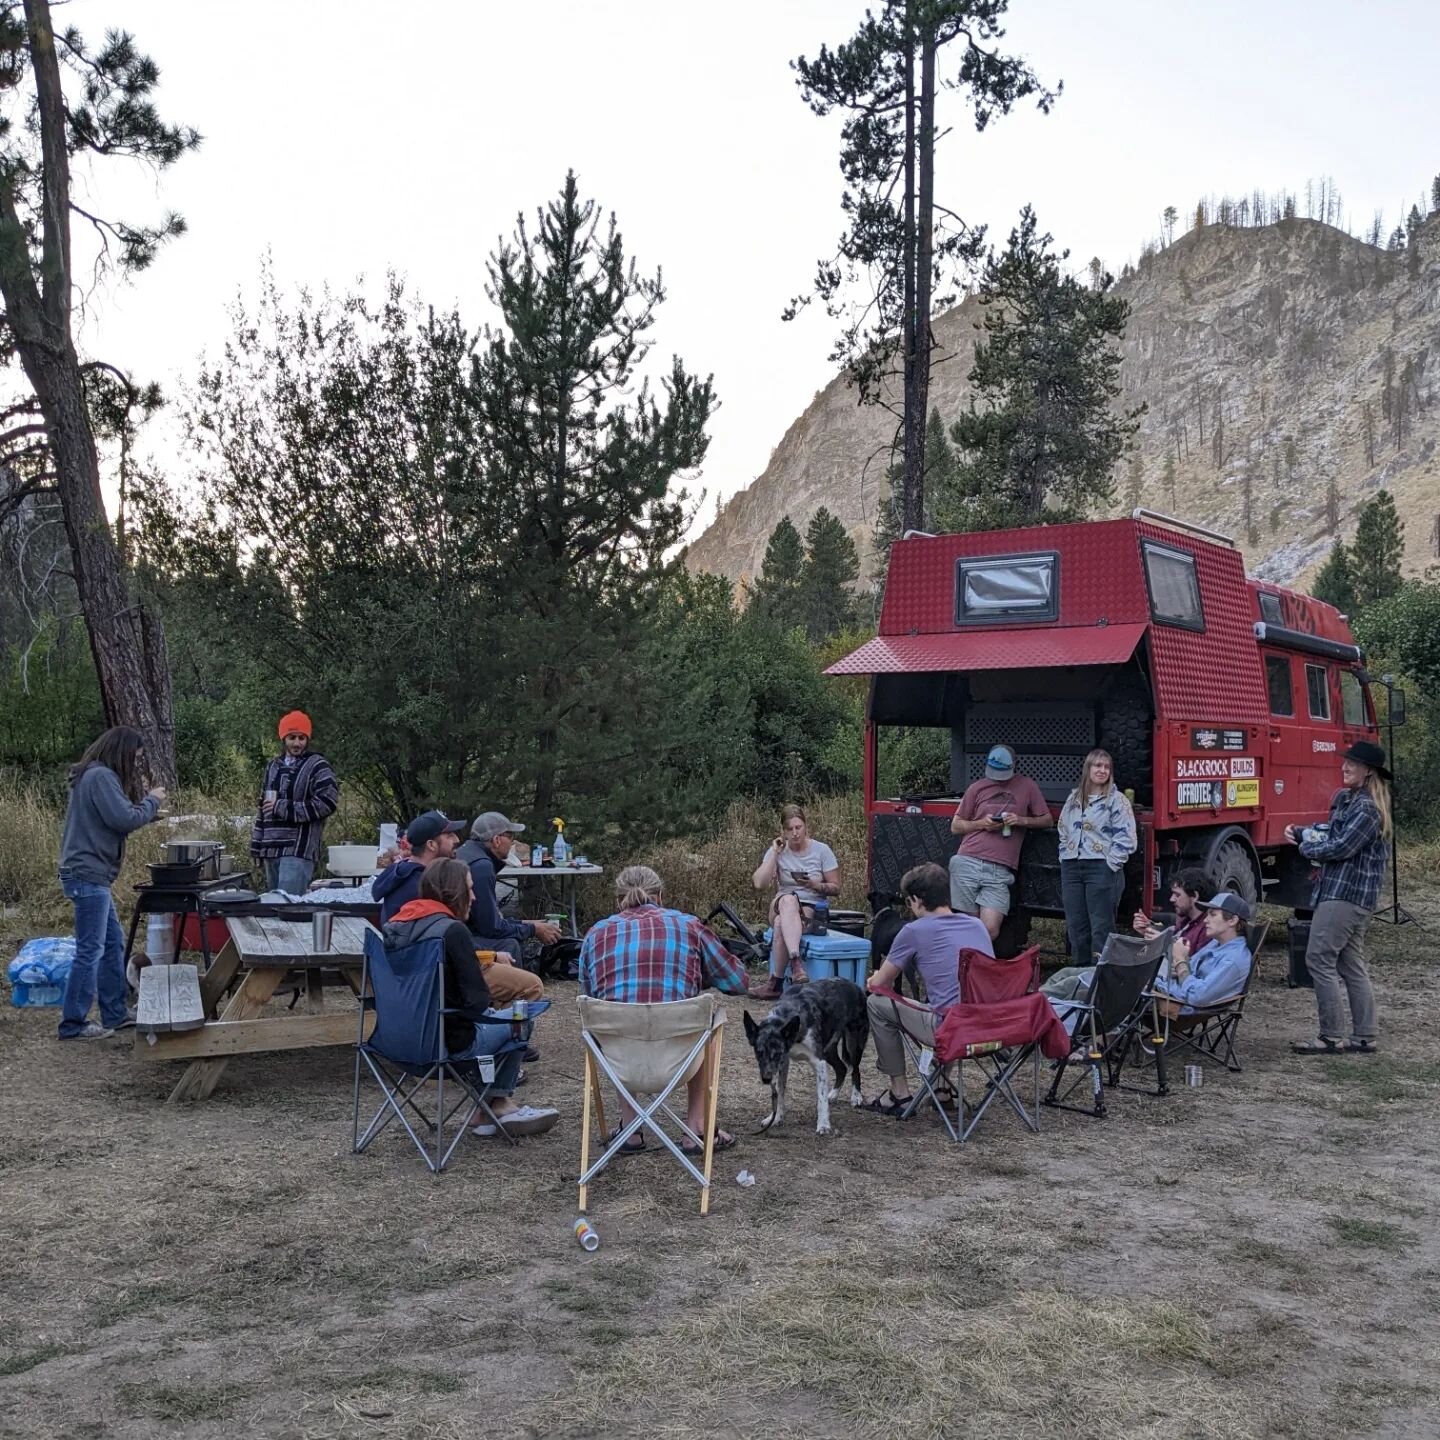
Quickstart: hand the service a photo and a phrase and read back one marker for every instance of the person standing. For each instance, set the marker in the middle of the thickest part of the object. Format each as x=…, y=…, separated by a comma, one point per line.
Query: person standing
x=1351, y=855
x=1097, y=837
x=993, y=815
x=299, y=795
x=106, y=804
x=803, y=872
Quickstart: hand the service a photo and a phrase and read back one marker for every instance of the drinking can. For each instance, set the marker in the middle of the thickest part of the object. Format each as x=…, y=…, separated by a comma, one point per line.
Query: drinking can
x=586, y=1235
x=1194, y=1075
x=519, y=1012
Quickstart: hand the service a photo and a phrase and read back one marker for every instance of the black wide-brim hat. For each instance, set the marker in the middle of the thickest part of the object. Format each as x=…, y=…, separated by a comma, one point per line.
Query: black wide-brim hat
x=1368, y=753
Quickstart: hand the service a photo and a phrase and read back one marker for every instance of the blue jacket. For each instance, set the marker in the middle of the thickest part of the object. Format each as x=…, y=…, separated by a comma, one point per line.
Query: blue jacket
x=486, y=922
x=396, y=885
x=1217, y=972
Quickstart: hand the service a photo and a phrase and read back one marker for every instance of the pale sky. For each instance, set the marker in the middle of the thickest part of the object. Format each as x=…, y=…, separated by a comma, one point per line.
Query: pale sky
x=346, y=137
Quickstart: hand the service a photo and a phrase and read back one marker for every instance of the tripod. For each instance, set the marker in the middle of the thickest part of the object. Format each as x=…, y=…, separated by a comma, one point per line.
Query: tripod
x=1395, y=913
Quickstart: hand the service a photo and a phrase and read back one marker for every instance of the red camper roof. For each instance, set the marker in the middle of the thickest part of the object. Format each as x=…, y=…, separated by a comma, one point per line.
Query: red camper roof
x=1018, y=649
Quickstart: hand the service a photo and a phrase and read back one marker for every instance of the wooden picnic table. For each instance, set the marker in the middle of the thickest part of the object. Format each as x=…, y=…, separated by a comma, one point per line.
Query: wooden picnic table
x=263, y=950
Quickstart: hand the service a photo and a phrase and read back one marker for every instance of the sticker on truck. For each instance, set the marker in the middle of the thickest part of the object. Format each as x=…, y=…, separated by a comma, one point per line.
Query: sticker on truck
x=1241, y=794
x=1199, y=795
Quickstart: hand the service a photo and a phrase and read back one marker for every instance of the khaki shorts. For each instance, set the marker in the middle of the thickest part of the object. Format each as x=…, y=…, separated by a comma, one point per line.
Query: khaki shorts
x=977, y=885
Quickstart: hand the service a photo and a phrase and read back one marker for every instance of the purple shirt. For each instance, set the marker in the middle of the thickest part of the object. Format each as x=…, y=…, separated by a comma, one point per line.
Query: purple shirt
x=934, y=942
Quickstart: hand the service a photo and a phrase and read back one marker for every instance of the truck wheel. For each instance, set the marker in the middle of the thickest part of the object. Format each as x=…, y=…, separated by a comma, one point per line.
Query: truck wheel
x=1014, y=932
x=1126, y=732
x=1233, y=871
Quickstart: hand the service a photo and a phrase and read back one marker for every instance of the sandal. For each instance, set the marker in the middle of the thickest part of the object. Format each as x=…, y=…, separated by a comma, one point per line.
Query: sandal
x=1322, y=1046
x=723, y=1141
x=887, y=1104
x=1362, y=1047
x=630, y=1147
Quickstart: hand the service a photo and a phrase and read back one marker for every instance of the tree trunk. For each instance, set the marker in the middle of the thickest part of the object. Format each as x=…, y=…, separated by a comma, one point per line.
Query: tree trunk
x=912, y=465
x=917, y=375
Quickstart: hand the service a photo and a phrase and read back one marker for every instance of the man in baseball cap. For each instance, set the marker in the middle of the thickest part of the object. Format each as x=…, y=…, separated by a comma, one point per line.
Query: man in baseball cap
x=991, y=819
x=432, y=836
x=1219, y=969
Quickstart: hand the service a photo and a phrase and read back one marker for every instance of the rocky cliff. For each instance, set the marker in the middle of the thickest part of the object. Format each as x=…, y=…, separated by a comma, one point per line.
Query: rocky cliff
x=1289, y=372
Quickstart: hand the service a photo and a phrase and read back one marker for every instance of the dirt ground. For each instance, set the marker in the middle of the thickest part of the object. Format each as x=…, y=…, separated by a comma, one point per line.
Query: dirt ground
x=1257, y=1257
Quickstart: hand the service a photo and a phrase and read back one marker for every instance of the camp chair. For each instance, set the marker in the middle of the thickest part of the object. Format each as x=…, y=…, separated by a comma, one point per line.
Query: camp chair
x=1207, y=1030
x=406, y=990
x=1104, y=1025
x=649, y=1050
x=983, y=981
x=752, y=950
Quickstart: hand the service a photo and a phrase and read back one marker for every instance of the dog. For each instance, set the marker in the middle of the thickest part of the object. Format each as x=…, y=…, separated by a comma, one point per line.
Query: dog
x=824, y=1022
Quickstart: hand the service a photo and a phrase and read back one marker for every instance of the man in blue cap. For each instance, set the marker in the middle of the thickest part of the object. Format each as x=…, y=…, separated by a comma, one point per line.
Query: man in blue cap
x=432, y=836
x=992, y=817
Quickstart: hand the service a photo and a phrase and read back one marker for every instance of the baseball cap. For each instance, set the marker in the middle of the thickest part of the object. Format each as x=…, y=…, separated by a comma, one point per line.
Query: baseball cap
x=1230, y=903
x=1000, y=763
x=425, y=828
x=491, y=824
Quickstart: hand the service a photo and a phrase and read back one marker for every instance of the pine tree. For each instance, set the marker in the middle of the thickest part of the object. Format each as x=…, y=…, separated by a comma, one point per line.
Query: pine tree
x=943, y=508
x=1413, y=222
x=1377, y=551
x=1168, y=217
x=827, y=578
x=1334, y=583
x=1046, y=372
x=1167, y=479
x=1435, y=195
x=1134, y=482
x=883, y=81
x=776, y=591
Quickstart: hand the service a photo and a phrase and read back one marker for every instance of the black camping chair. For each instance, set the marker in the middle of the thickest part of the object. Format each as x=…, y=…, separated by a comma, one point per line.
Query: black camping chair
x=1206, y=1030
x=738, y=938
x=1104, y=1024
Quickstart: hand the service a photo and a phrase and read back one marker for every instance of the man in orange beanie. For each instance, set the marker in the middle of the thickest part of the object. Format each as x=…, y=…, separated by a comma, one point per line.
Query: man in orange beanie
x=300, y=791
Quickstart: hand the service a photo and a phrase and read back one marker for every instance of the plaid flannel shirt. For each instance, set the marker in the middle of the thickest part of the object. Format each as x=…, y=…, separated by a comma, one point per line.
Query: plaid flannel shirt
x=1352, y=855
x=646, y=955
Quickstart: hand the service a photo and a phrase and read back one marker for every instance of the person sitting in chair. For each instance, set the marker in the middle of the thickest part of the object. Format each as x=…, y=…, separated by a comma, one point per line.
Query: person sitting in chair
x=1219, y=969
x=446, y=891
x=933, y=940
x=432, y=836
x=1189, y=913
x=645, y=955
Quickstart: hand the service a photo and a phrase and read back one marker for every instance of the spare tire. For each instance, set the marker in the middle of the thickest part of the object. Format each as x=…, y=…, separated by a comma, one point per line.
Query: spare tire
x=1127, y=732
x=1234, y=871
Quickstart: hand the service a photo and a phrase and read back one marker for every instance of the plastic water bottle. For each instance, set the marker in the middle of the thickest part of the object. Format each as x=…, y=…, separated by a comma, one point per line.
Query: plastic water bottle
x=586, y=1234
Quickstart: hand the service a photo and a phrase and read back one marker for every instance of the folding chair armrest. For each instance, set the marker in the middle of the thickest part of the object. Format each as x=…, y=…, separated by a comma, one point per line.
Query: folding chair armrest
x=886, y=993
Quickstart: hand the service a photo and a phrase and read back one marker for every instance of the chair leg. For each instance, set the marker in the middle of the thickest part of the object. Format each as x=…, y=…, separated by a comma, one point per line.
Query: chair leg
x=585, y=1126
x=712, y=1071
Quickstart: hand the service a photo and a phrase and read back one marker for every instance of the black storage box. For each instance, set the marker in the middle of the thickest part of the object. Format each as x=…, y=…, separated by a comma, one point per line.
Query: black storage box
x=1297, y=941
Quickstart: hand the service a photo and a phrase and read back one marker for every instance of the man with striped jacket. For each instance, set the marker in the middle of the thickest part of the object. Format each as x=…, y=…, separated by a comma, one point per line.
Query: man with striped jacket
x=299, y=793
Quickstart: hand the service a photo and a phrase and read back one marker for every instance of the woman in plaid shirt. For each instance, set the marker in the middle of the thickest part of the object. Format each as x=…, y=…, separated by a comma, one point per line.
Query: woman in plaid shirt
x=1351, y=857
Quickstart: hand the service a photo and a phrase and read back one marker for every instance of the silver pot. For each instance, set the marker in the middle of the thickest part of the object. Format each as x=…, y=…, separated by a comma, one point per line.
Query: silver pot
x=207, y=854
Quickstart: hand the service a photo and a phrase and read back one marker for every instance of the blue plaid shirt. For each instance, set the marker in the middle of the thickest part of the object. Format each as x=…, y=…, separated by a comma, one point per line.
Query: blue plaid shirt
x=648, y=955
x=1351, y=856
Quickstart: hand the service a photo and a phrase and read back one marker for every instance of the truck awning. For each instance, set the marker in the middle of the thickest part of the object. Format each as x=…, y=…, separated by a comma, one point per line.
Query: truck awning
x=1020, y=648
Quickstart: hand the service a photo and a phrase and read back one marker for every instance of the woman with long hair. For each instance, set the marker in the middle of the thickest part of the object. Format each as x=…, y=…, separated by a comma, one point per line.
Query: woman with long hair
x=107, y=801
x=803, y=871
x=446, y=894
x=1097, y=837
x=1351, y=853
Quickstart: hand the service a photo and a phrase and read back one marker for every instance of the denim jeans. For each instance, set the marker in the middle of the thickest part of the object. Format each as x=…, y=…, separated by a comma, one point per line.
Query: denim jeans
x=290, y=873
x=507, y=1067
x=1090, y=890
x=99, y=965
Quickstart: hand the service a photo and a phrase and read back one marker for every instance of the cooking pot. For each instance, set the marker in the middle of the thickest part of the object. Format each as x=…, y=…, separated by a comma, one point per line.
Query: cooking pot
x=353, y=861
x=207, y=854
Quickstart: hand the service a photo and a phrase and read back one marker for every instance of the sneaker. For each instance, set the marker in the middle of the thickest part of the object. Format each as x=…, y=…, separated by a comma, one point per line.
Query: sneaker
x=92, y=1031
x=768, y=989
x=128, y=1023
x=531, y=1055
x=529, y=1120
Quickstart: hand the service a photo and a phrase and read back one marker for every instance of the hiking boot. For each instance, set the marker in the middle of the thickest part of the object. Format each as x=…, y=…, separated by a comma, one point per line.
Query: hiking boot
x=92, y=1031
x=768, y=989
x=531, y=1055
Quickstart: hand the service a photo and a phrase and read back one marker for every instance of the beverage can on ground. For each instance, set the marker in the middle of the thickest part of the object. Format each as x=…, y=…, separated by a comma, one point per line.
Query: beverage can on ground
x=586, y=1234
x=1194, y=1075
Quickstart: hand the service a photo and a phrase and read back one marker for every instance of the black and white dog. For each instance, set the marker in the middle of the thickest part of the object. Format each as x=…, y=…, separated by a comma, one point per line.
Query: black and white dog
x=824, y=1021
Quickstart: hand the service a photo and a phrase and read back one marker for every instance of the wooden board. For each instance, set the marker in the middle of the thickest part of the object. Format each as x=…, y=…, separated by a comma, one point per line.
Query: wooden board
x=169, y=1000
x=223, y=1039
x=264, y=940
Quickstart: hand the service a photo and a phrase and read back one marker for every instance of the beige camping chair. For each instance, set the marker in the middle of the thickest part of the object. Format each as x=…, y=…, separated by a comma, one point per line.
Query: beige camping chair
x=648, y=1051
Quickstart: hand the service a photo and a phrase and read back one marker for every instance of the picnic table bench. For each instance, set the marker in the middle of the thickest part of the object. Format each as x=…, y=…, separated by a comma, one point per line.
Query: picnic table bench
x=261, y=950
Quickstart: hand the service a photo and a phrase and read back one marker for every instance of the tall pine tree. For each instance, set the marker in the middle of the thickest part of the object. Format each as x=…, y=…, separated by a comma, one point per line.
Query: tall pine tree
x=1042, y=437
x=1377, y=551
x=1333, y=582
x=776, y=590
x=827, y=578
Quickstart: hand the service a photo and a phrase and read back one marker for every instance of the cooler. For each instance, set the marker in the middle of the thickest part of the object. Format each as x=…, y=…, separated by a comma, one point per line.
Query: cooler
x=836, y=954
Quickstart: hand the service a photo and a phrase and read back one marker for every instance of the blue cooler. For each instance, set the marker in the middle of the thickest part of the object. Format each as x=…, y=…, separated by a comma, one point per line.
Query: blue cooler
x=835, y=954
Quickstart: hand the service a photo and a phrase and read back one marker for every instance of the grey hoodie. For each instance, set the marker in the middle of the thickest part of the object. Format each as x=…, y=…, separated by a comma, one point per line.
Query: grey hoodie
x=97, y=820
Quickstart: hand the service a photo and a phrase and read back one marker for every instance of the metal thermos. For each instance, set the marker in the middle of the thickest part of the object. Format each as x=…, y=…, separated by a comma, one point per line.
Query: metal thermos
x=321, y=926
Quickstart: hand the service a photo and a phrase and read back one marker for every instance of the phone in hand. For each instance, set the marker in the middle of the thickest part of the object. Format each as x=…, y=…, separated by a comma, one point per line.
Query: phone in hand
x=996, y=819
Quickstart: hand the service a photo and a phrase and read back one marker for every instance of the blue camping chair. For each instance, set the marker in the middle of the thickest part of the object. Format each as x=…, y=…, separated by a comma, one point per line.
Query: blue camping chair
x=406, y=1049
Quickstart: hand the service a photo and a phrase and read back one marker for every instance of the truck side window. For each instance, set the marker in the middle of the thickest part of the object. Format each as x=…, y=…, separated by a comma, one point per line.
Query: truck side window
x=1277, y=675
x=1270, y=609
x=1023, y=588
x=1352, y=699
x=1174, y=589
x=1317, y=691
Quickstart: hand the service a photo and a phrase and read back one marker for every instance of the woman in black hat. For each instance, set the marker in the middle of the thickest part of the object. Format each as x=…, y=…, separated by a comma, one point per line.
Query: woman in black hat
x=1351, y=856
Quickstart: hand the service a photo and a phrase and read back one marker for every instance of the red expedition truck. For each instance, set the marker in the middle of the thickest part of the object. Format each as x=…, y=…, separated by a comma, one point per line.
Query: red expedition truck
x=1226, y=702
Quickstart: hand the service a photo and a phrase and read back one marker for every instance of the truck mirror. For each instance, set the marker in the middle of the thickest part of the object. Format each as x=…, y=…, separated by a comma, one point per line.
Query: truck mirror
x=1396, y=713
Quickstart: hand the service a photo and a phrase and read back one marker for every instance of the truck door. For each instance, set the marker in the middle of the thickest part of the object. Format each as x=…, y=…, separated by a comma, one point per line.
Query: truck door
x=1320, y=767
x=1289, y=743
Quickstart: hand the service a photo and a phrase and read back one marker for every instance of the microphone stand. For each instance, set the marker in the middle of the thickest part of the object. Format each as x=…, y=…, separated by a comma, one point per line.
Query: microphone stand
x=1397, y=914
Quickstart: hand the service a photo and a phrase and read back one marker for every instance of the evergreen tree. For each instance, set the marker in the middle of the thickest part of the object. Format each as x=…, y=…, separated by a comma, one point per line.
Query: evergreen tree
x=1435, y=195
x=1377, y=551
x=827, y=578
x=776, y=591
x=1167, y=479
x=1168, y=217
x=941, y=491
x=1334, y=583
x=1042, y=437
x=883, y=81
